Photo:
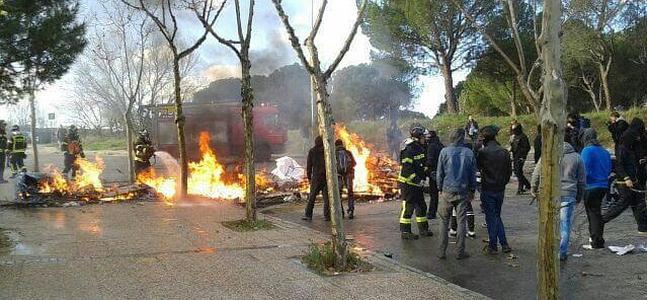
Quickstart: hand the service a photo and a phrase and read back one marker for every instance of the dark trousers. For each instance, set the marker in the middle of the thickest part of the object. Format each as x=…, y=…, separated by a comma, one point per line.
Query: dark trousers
x=16, y=162
x=492, y=202
x=413, y=199
x=447, y=203
x=433, y=199
x=3, y=158
x=518, y=171
x=69, y=163
x=318, y=185
x=592, y=203
x=628, y=198
x=347, y=182
x=469, y=217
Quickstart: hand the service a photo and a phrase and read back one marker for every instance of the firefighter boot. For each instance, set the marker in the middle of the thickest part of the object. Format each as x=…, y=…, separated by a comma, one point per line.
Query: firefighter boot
x=406, y=233
x=423, y=228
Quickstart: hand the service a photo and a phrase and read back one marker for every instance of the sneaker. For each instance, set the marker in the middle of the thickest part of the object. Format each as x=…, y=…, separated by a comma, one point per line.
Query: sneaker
x=588, y=247
x=306, y=218
x=563, y=257
x=442, y=256
x=640, y=232
x=453, y=233
x=506, y=249
x=491, y=251
x=409, y=236
x=471, y=234
x=484, y=225
x=351, y=214
x=462, y=256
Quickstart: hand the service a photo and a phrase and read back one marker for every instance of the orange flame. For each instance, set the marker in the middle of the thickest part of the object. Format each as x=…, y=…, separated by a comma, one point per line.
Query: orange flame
x=164, y=186
x=206, y=176
x=362, y=153
x=88, y=176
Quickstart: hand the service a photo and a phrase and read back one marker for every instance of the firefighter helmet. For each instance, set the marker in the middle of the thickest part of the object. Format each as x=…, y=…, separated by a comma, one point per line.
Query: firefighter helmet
x=417, y=132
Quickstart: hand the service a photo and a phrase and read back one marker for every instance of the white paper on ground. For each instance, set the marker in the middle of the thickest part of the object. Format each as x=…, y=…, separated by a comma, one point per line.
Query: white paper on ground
x=622, y=250
x=288, y=169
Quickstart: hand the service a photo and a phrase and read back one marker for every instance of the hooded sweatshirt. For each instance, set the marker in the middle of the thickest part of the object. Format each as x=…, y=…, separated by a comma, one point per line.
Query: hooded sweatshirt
x=456, y=171
x=597, y=161
x=573, y=177
x=630, y=151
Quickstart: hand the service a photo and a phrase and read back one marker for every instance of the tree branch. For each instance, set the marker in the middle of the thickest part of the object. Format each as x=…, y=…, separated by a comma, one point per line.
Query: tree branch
x=349, y=40
x=294, y=40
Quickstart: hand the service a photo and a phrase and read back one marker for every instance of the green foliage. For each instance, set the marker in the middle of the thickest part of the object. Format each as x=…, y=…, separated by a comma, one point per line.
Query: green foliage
x=97, y=143
x=368, y=91
x=246, y=225
x=39, y=40
x=321, y=259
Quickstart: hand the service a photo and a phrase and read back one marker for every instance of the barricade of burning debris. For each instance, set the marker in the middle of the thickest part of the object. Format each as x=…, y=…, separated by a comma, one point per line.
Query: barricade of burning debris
x=35, y=189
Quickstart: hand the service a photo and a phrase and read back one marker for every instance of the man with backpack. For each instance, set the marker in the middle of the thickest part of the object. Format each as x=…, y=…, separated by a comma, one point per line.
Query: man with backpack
x=346, y=174
x=72, y=150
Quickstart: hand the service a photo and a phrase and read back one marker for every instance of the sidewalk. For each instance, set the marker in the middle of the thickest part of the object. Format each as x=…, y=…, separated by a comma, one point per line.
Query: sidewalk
x=148, y=250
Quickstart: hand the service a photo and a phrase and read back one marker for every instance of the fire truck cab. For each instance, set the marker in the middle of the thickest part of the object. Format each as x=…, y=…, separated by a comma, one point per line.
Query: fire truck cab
x=223, y=122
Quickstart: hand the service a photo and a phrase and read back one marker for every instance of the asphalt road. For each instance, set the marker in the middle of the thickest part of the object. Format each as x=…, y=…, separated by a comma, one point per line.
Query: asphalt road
x=597, y=274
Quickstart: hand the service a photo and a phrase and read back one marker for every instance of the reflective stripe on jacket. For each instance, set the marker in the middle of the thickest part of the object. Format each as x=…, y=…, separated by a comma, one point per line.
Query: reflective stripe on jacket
x=413, y=164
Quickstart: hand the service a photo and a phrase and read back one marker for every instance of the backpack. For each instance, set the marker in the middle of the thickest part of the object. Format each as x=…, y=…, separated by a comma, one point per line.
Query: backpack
x=74, y=147
x=343, y=162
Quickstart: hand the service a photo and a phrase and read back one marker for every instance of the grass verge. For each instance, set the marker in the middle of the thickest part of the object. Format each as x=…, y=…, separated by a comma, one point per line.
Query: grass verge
x=246, y=225
x=95, y=143
x=321, y=259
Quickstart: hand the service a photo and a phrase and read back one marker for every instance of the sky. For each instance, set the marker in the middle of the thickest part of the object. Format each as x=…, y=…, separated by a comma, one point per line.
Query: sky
x=270, y=49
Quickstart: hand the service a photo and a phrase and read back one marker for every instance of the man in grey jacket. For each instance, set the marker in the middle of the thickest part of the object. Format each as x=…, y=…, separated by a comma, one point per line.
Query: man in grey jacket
x=456, y=181
x=573, y=183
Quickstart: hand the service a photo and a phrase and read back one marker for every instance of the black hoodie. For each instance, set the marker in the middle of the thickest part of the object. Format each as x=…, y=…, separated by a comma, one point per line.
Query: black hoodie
x=520, y=143
x=631, y=149
x=316, y=165
x=433, y=151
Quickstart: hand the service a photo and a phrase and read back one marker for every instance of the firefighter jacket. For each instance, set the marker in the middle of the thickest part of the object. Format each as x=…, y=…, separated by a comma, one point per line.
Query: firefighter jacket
x=143, y=150
x=72, y=145
x=16, y=143
x=413, y=162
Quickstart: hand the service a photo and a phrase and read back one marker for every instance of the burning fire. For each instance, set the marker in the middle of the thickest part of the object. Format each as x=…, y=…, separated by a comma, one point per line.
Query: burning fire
x=86, y=177
x=366, y=165
x=206, y=178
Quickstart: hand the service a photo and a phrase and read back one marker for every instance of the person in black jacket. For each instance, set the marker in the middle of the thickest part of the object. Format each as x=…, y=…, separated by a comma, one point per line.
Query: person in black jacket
x=316, y=173
x=520, y=147
x=413, y=172
x=630, y=169
x=3, y=148
x=616, y=126
x=433, y=151
x=537, y=144
x=496, y=168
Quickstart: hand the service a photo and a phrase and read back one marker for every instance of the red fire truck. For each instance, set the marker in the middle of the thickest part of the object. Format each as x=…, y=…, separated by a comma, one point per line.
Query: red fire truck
x=223, y=121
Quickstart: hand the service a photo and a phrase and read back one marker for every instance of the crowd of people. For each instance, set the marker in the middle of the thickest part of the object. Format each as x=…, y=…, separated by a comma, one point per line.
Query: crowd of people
x=450, y=175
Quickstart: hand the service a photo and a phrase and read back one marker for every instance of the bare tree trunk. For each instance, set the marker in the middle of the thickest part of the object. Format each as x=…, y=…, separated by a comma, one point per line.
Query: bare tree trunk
x=179, y=121
x=327, y=133
x=528, y=94
x=452, y=104
x=32, y=108
x=129, y=146
x=552, y=126
x=248, y=124
x=604, y=79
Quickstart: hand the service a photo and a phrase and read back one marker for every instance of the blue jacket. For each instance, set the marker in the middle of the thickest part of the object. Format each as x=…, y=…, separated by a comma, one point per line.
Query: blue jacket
x=456, y=172
x=597, y=165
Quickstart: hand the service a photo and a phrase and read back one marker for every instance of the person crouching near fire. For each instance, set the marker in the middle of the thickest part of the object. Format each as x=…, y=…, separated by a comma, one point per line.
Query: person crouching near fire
x=412, y=173
x=72, y=150
x=144, y=151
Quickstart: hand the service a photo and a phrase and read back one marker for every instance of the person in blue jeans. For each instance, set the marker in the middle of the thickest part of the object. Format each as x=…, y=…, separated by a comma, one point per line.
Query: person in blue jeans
x=573, y=182
x=495, y=166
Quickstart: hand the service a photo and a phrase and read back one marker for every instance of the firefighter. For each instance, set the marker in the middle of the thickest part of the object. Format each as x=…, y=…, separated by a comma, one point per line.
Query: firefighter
x=72, y=150
x=346, y=173
x=412, y=173
x=16, y=146
x=144, y=151
x=3, y=148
